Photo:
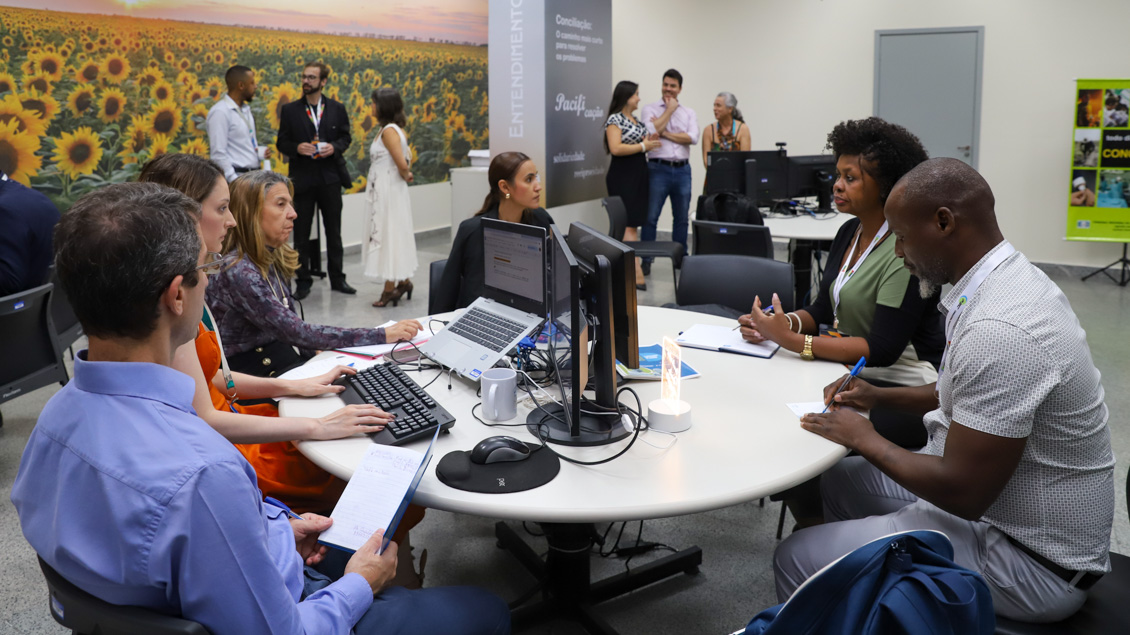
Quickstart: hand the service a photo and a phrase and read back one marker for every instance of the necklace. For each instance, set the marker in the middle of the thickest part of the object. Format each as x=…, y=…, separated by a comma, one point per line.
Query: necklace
x=282, y=291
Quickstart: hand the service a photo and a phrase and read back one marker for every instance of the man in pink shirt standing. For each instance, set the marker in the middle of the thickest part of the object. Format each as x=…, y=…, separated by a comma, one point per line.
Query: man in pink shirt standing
x=669, y=168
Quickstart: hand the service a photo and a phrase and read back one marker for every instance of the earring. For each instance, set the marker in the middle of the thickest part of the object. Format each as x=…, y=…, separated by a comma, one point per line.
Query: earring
x=508, y=195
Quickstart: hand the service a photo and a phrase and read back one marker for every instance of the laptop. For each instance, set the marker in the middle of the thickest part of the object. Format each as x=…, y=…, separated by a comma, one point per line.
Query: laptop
x=512, y=305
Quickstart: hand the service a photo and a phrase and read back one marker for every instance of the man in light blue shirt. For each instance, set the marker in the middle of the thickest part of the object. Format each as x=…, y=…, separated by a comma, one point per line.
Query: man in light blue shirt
x=129, y=495
x=231, y=126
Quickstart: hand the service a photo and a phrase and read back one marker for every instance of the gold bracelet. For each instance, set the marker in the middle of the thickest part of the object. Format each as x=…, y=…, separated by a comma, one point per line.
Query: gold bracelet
x=806, y=354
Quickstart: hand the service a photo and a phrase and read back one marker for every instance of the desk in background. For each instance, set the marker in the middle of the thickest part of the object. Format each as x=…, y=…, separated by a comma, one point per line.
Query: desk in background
x=805, y=233
x=745, y=444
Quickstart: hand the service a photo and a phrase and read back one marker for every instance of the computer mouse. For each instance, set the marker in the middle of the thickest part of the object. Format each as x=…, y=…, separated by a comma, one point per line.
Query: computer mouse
x=498, y=450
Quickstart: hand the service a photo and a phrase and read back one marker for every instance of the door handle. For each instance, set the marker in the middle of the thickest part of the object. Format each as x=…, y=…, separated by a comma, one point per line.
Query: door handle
x=965, y=149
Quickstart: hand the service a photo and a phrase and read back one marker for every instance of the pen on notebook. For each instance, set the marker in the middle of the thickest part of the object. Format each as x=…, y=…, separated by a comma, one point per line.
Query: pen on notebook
x=283, y=506
x=854, y=371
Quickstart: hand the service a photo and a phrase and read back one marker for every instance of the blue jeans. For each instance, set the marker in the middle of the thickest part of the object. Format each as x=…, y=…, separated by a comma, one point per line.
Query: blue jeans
x=448, y=609
x=666, y=181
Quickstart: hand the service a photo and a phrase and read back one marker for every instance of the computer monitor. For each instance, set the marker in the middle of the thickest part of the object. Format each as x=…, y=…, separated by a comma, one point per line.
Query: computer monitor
x=762, y=175
x=514, y=264
x=771, y=182
x=813, y=175
x=726, y=172
x=587, y=243
x=576, y=289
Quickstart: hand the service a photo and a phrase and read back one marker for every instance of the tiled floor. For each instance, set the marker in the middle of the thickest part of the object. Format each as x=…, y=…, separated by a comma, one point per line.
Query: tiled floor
x=735, y=581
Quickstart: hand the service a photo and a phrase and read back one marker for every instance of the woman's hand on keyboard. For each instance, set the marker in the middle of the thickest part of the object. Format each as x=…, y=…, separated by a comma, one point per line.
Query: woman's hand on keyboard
x=351, y=420
x=321, y=385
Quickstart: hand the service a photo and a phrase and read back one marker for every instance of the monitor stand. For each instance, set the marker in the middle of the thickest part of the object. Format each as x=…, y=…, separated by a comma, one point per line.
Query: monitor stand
x=548, y=423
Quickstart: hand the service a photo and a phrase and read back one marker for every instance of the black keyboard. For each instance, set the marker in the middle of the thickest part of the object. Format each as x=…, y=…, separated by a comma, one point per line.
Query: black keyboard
x=389, y=388
x=488, y=329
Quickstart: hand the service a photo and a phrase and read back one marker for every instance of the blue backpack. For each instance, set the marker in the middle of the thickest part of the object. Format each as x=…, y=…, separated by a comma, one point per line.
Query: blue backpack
x=902, y=583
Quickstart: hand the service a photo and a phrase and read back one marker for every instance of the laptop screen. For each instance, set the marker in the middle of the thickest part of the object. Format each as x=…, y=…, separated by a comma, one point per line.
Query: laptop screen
x=514, y=265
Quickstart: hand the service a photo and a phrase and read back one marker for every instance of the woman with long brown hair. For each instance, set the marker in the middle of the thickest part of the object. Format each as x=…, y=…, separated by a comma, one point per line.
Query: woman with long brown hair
x=251, y=298
x=389, y=249
x=515, y=197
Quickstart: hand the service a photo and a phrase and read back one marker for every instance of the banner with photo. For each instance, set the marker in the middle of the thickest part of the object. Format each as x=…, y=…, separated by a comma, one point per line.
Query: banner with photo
x=1099, y=198
x=90, y=90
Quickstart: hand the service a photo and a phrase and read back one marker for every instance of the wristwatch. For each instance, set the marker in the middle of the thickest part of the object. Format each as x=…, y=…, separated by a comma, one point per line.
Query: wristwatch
x=806, y=354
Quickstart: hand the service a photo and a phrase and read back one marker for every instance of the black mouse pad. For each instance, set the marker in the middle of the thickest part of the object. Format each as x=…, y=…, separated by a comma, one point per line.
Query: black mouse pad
x=456, y=470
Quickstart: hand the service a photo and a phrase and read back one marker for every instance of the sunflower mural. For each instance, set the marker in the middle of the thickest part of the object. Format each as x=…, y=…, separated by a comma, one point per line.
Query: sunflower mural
x=87, y=99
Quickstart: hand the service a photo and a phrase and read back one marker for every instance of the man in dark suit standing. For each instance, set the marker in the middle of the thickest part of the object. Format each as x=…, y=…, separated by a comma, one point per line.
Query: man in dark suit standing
x=27, y=221
x=314, y=134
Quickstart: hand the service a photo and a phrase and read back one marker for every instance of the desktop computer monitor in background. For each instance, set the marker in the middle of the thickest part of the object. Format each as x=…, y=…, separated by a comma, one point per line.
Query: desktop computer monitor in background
x=768, y=181
x=813, y=176
x=587, y=243
x=579, y=289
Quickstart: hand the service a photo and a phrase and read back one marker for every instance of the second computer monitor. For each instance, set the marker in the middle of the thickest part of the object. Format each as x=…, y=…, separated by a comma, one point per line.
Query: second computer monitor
x=813, y=175
x=587, y=243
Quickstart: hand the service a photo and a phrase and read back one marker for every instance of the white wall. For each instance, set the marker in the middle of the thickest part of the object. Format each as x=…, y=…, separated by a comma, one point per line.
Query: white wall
x=798, y=67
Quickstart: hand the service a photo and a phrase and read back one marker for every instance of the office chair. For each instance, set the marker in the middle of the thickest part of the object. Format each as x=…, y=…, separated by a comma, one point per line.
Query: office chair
x=67, y=327
x=85, y=614
x=1104, y=612
x=712, y=237
x=435, y=273
x=618, y=222
x=32, y=356
x=733, y=281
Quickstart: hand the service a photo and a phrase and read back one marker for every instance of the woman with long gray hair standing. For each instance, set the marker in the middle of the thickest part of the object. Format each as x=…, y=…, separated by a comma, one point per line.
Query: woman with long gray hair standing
x=729, y=132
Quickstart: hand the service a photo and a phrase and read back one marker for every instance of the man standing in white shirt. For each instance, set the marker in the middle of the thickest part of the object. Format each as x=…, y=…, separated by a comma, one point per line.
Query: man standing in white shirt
x=668, y=166
x=231, y=126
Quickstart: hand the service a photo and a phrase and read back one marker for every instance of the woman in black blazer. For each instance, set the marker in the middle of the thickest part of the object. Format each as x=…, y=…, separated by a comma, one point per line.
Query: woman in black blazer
x=515, y=197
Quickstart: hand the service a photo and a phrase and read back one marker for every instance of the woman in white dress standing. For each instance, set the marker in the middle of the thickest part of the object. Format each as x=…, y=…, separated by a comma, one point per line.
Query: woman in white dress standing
x=390, y=249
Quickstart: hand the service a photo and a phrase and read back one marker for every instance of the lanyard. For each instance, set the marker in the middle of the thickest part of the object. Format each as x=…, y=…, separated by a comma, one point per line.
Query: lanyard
x=846, y=274
x=224, y=368
x=954, y=312
x=315, y=115
x=250, y=123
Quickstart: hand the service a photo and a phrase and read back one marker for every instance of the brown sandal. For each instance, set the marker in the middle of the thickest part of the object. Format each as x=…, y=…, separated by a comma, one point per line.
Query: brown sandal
x=388, y=296
x=405, y=288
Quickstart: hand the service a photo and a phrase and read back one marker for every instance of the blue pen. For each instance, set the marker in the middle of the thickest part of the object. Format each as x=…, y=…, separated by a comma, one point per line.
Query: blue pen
x=854, y=371
x=283, y=506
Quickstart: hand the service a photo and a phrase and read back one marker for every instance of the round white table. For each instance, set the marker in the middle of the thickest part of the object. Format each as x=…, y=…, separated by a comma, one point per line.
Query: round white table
x=744, y=444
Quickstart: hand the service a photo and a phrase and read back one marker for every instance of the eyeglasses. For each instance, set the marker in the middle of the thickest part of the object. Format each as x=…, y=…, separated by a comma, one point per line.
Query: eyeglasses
x=312, y=78
x=214, y=263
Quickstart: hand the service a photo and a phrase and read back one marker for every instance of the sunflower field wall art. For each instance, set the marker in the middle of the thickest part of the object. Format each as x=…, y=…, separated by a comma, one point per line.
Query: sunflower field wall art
x=87, y=99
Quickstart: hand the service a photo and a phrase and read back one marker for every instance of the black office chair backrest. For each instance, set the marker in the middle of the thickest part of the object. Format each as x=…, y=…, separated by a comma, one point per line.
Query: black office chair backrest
x=617, y=216
x=435, y=273
x=31, y=353
x=87, y=615
x=67, y=326
x=712, y=237
x=733, y=281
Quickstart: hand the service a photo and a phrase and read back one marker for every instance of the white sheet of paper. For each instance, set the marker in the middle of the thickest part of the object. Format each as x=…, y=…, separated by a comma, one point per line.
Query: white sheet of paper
x=381, y=349
x=315, y=368
x=373, y=495
x=801, y=409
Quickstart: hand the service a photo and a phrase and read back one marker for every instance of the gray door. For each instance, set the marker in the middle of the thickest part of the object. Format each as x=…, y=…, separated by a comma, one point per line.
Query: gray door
x=929, y=80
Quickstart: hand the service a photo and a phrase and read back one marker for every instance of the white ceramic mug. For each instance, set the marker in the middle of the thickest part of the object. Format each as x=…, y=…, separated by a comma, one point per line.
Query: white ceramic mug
x=500, y=394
